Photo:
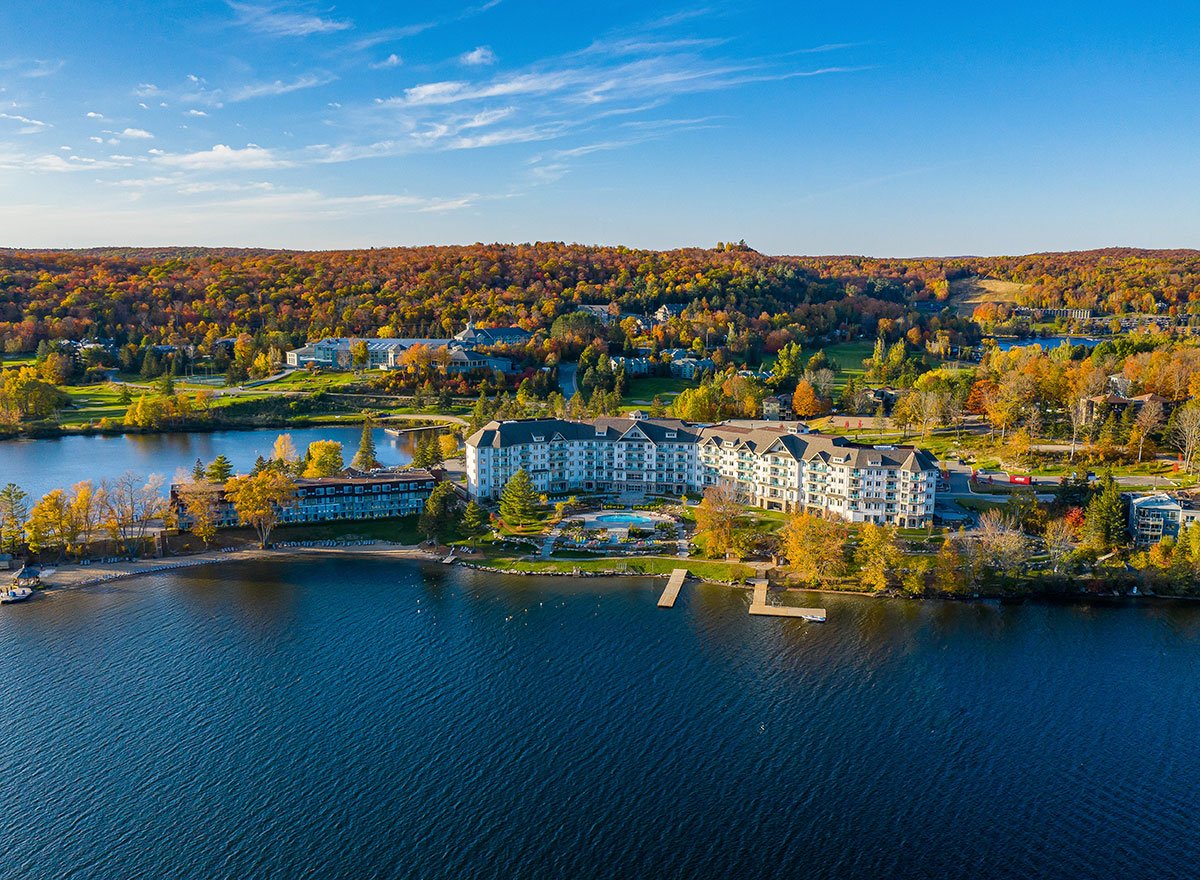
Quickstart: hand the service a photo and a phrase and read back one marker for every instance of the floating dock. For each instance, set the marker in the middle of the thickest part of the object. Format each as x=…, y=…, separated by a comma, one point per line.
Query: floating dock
x=674, y=585
x=759, y=606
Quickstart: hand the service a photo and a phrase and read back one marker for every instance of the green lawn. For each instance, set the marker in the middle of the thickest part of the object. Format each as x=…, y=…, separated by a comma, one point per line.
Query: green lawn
x=642, y=390
x=91, y=403
x=634, y=565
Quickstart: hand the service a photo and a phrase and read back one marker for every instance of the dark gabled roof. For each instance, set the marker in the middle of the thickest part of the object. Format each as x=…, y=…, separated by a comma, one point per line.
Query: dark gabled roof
x=802, y=447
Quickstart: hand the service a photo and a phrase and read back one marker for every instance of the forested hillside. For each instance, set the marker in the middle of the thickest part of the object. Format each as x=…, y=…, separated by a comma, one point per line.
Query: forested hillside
x=196, y=296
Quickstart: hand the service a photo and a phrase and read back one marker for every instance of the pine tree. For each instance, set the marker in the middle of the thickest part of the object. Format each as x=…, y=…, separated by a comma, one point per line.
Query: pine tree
x=14, y=511
x=475, y=519
x=365, y=459
x=198, y=470
x=438, y=519
x=1105, y=521
x=220, y=470
x=518, y=501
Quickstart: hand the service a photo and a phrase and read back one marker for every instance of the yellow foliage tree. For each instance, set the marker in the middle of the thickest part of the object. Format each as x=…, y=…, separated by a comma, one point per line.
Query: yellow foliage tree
x=260, y=498
x=324, y=459
x=815, y=547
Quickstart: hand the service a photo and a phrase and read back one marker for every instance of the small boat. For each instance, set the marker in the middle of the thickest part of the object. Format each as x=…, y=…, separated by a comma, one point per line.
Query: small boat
x=15, y=594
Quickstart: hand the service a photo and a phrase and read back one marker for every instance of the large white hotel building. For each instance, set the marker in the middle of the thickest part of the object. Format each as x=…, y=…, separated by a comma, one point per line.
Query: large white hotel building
x=771, y=467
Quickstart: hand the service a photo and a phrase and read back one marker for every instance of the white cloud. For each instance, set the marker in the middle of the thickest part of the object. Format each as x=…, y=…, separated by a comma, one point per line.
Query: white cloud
x=96, y=140
x=147, y=90
x=392, y=60
x=28, y=125
x=33, y=68
x=92, y=114
x=139, y=133
x=222, y=157
x=279, y=87
x=480, y=56
x=278, y=21
x=196, y=113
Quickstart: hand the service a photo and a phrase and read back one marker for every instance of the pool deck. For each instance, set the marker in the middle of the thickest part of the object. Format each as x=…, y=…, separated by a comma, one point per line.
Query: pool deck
x=674, y=585
x=760, y=607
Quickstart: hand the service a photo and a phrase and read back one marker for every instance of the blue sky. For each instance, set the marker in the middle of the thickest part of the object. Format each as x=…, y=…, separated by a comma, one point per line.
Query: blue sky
x=805, y=128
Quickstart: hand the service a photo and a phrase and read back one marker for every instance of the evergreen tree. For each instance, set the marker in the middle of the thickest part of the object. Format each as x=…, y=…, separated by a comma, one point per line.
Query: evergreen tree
x=220, y=470
x=123, y=396
x=150, y=365
x=518, y=501
x=438, y=519
x=198, y=470
x=1104, y=524
x=433, y=445
x=475, y=519
x=365, y=459
x=260, y=465
x=480, y=412
x=14, y=511
x=420, y=456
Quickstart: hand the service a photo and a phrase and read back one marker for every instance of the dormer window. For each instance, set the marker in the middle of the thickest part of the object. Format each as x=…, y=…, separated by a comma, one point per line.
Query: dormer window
x=539, y=438
x=671, y=435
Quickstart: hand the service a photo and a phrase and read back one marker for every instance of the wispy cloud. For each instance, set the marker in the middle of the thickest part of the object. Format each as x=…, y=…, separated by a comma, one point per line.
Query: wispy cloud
x=280, y=21
x=138, y=133
x=392, y=60
x=28, y=125
x=480, y=56
x=194, y=112
x=280, y=87
x=224, y=158
x=33, y=68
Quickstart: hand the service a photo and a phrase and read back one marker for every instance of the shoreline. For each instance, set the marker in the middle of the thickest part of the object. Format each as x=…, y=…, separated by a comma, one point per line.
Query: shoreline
x=72, y=576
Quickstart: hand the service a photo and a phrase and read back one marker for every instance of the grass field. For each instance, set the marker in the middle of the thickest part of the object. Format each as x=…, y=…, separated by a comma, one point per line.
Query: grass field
x=634, y=565
x=91, y=403
x=967, y=293
x=642, y=390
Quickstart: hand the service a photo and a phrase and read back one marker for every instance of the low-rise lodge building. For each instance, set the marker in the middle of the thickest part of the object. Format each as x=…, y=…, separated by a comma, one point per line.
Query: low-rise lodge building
x=770, y=467
x=351, y=495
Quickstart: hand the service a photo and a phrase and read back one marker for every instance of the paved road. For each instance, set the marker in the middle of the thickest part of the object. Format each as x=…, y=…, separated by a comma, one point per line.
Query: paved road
x=566, y=379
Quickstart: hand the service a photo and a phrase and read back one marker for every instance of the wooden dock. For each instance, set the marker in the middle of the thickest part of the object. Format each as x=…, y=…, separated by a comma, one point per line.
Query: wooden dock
x=759, y=606
x=674, y=585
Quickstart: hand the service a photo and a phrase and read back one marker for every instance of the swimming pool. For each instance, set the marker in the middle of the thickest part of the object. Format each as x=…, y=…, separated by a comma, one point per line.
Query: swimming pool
x=626, y=519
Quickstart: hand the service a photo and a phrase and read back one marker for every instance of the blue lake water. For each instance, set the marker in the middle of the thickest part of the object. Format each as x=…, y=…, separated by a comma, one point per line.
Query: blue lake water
x=372, y=719
x=1047, y=343
x=38, y=466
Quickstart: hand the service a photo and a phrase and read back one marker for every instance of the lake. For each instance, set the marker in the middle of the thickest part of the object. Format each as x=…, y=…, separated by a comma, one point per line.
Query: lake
x=1008, y=343
x=38, y=466
x=341, y=718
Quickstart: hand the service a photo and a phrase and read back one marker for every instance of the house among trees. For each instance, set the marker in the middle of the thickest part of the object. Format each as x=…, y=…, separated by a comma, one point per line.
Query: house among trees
x=475, y=337
x=1158, y=516
x=777, y=406
x=1093, y=407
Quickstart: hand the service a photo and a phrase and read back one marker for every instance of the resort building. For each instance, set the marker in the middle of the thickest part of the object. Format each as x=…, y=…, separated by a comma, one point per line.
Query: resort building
x=769, y=467
x=352, y=495
x=1154, y=517
x=337, y=352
